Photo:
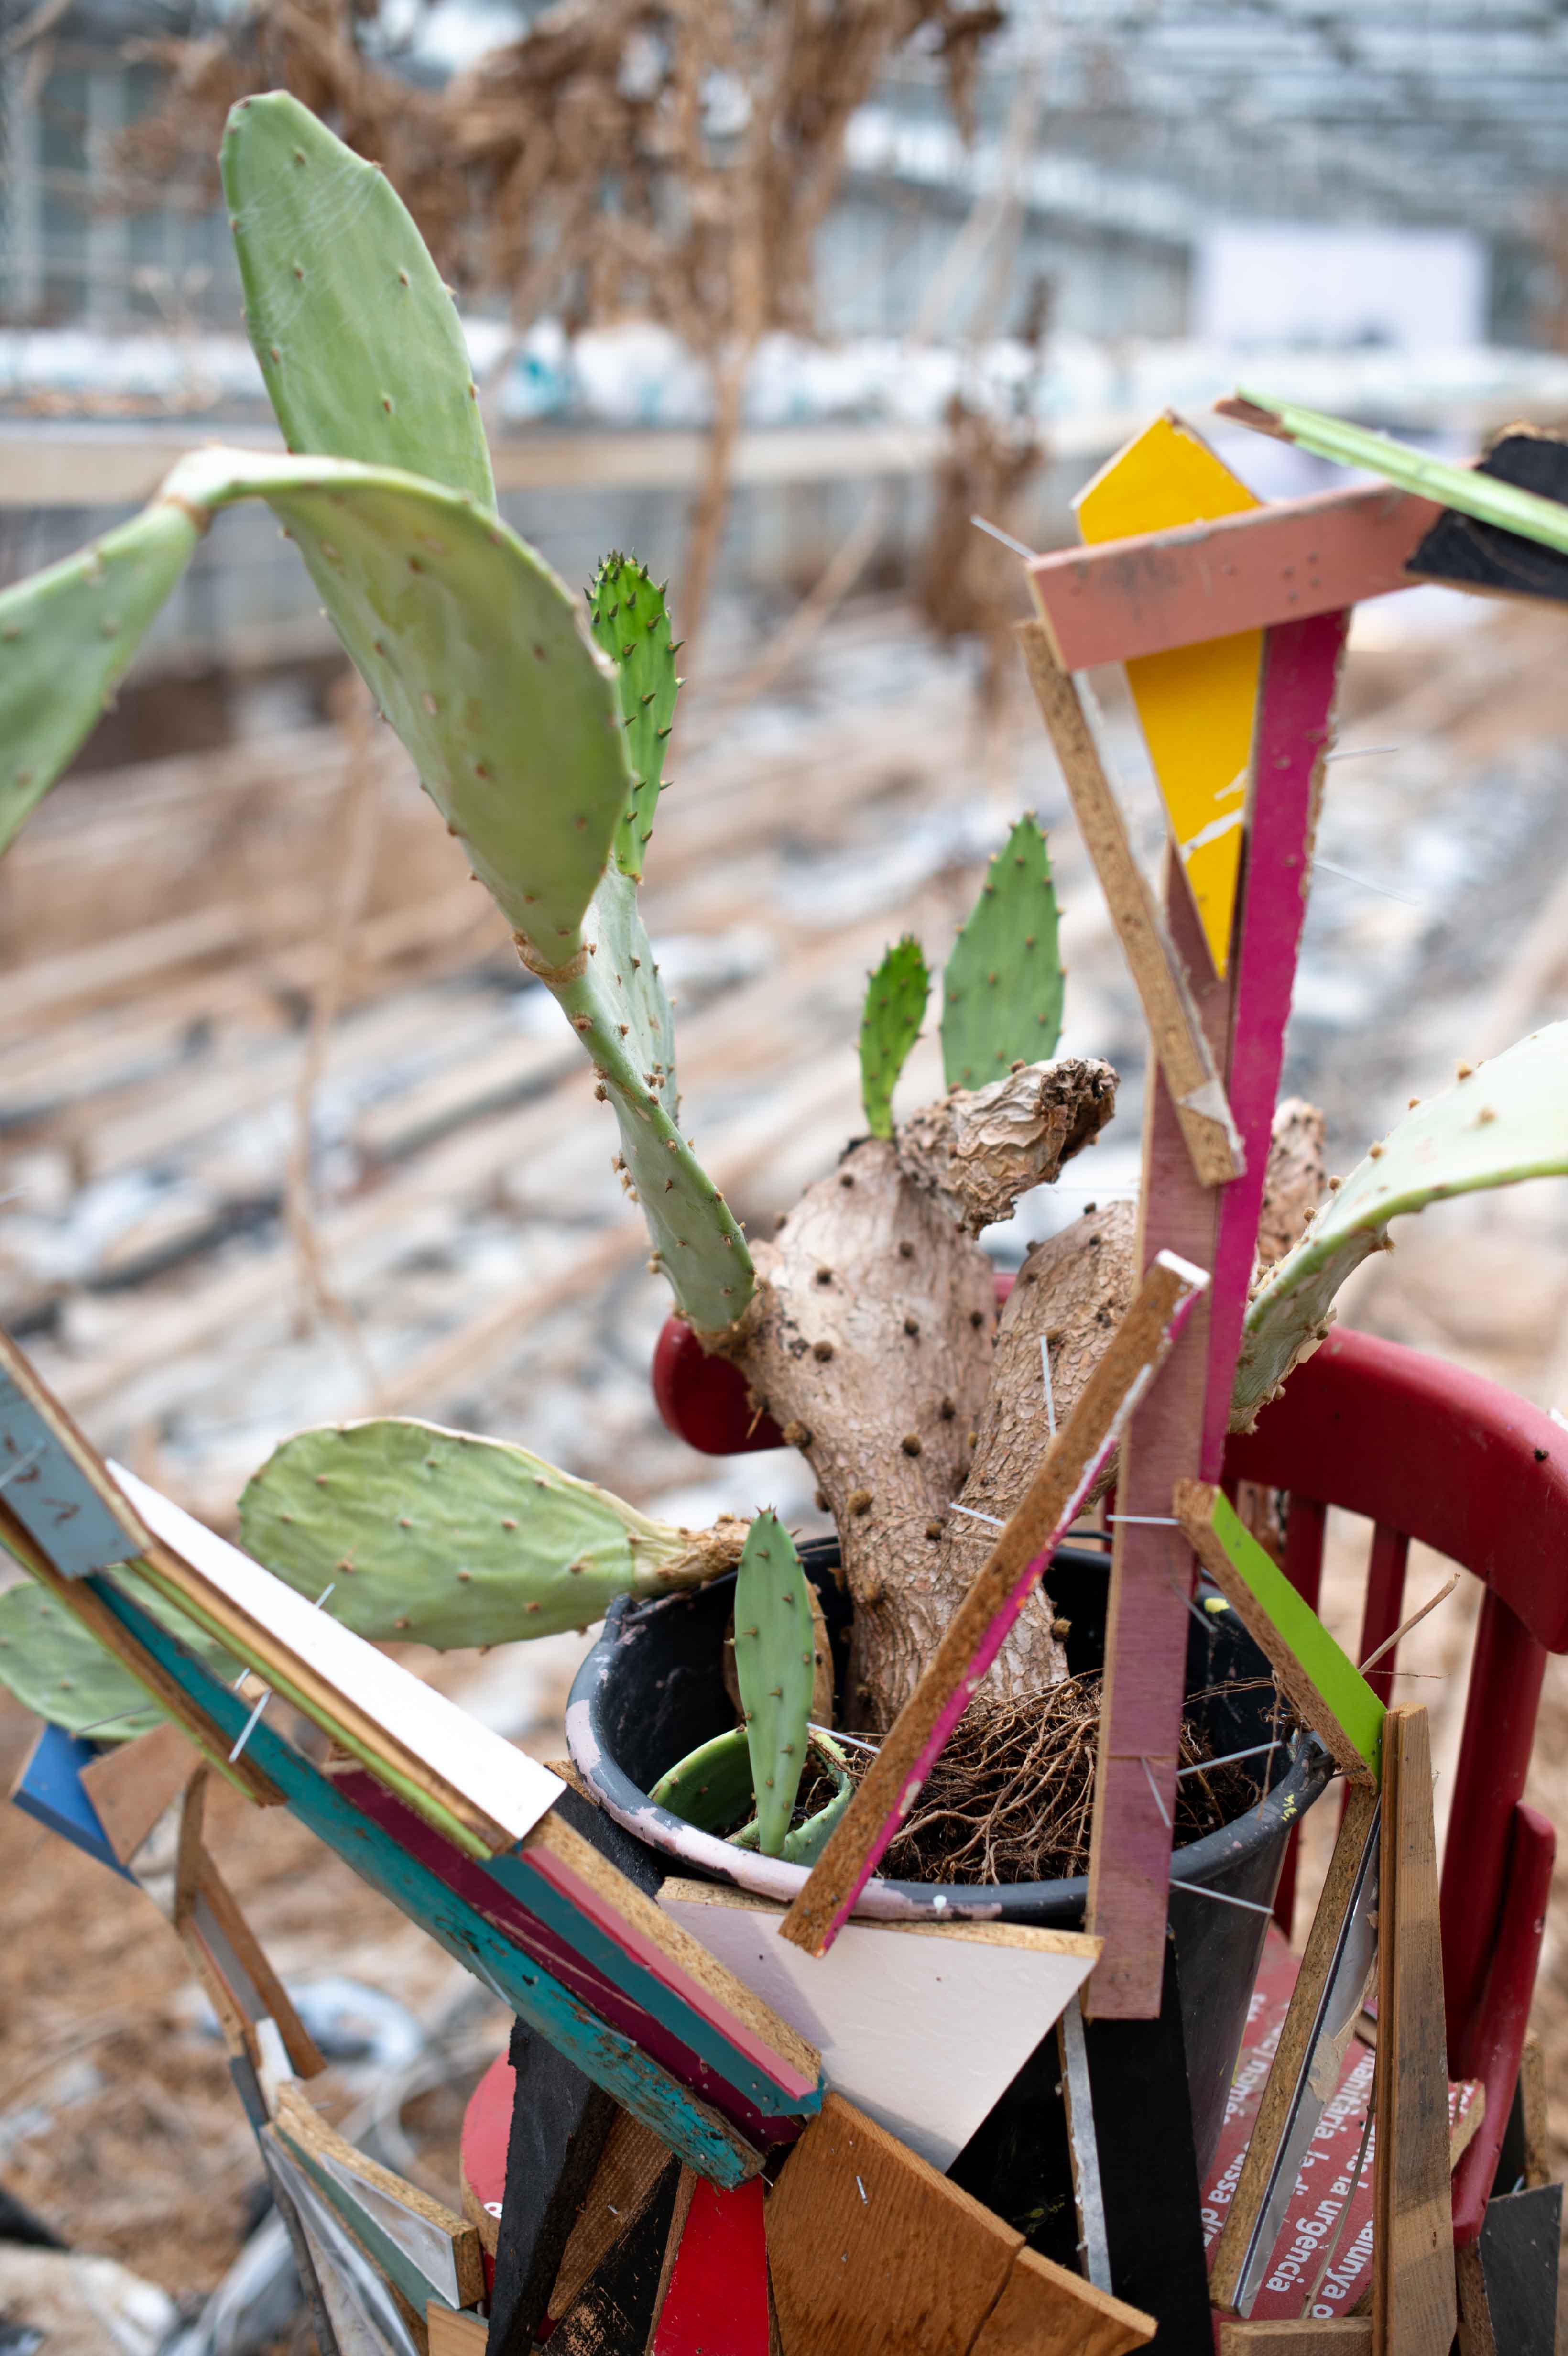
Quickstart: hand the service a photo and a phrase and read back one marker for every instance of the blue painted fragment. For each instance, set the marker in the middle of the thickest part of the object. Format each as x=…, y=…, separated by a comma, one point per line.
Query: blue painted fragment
x=50, y=1789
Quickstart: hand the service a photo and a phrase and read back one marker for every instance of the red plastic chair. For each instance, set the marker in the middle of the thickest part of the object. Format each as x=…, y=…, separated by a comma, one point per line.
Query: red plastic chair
x=1427, y=1452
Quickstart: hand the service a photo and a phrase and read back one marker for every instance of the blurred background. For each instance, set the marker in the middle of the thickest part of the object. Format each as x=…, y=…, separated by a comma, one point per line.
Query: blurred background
x=777, y=296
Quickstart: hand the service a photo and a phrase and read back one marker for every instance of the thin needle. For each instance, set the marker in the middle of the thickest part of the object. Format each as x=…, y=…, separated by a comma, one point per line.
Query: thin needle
x=248, y=1728
x=1005, y=537
x=1050, y=1395
x=1202, y=1765
x=1153, y=1792
x=1151, y=1521
x=1366, y=882
x=975, y=1516
x=1406, y=1626
x=1361, y=752
x=1221, y=1897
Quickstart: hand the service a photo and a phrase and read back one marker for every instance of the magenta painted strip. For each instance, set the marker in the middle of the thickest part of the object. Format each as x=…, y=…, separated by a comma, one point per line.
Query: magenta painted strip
x=1300, y=673
x=991, y=1643
x=546, y=1947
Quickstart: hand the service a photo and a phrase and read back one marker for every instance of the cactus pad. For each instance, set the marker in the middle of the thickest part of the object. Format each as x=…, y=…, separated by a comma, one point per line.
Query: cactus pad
x=711, y=1786
x=360, y=346
x=1001, y=994
x=776, y=1668
x=447, y=1539
x=66, y=637
x=1504, y=1121
x=48, y=1660
x=890, y=1026
x=630, y=621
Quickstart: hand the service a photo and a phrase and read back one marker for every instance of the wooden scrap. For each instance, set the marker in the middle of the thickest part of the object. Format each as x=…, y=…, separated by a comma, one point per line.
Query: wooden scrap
x=1196, y=705
x=1520, y=2249
x=872, y=2252
x=1197, y=1092
x=366, y=2314
x=1341, y=1953
x=1152, y=1573
x=1349, y=2335
x=1414, y=2299
x=1160, y=590
x=54, y=1482
x=417, y=2243
x=1532, y=2112
x=614, y=2313
x=1083, y=2146
x=1044, y=2310
x=561, y=2124
x=1323, y=1685
x=224, y=1952
x=1469, y=555
x=130, y=1785
x=452, y=2334
x=631, y=2168
x=923, y=2026
x=1162, y=1305
x=49, y=1789
x=1476, y=2336
x=718, y=2294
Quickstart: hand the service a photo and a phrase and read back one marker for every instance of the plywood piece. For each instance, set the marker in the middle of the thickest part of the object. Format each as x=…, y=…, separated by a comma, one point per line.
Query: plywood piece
x=1323, y=1685
x=1520, y=2245
x=560, y=2123
x=718, y=2295
x=130, y=1785
x=1083, y=2146
x=365, y=2314
x=1044, y=2310
x=1532, y=2112
x=872, y=2252
x=1314, y=2037
x=49, y=1789
x=630, y=2169
x=440, y=2249
x=1156, y=591
x=452, y=2334
x=923, y=2026
x=1414, y=2299
x=1196, y=705
x=1162, y=1305
x=1349, y=2335
x=1196, y=1091
x=615, y=2312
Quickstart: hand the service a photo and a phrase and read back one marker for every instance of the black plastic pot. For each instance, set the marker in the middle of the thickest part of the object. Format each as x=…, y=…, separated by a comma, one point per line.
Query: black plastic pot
x=653, y=1688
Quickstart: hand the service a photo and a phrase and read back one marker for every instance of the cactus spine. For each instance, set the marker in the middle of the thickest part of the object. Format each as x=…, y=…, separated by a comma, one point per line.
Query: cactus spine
x=446, y=1539
x=1002, y=990
x=775, y=1668
x=1503, y=1123
x=890, y=1026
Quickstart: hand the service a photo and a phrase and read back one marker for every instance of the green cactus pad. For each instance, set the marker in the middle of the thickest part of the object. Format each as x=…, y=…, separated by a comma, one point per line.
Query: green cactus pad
x=614, y=925
x=774, y=1667
x=1001, y=994
x=804, y=1842
x=443, y=1538
x=359, y=342
x=890, y=1026
x=51, y=1663
x=630, y=621
x=1508, y=1120
x=711, y=1786
x=66, y=637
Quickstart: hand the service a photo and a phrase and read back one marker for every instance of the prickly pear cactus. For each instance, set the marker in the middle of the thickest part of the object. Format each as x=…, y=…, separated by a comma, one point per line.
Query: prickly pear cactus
x=359, y=342
x=1506, y=1121
x=446, y=1539
x=630, y=621
x=711, y=1786
x=53, y=1666
x=890, y=1026
x=774, y=1667
x=1001, y=993
x=66, y=637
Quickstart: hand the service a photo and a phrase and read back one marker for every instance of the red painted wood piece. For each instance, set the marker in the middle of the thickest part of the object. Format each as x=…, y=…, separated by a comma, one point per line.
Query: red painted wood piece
x=716, y=2303
x=482, y=2150
x=1386, y=1560
x=1503, y=2012
x=702, y=1399
x=1279, y=563
x=1295, y=707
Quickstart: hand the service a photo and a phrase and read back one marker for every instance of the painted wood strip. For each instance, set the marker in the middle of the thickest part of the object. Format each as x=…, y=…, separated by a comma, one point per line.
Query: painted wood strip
x=1196, y=1091
x=360, y=2307
x=1084, y=2146
x=1323, y=1685
x=1522, y=2237
x=1414, y=2309
x=872, y=2252
x=1001, y=1588
x=1325, y=2005
x=502, y=1787
x=616, y=2310
x=1044, y=2310
x=232, y=1964
x=49, y=1789
x=52, y=1480
x=630, y=2172
x=718, y=2295
x=436, y=2250
x=560, y=2123
x=1349, y=2335
x=131, y=1784
x=452, y=2334
x=1196, y=706
x=1152, y=1573
x=923, y=2027
x=1295, y=726
x=608, y=2057
x=1154, y=591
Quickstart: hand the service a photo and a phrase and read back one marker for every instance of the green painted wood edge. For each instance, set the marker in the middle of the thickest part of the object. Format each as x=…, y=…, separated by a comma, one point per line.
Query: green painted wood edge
x=1331, y=1669
x=1461, y=487
x=601, y=2052
x=378, y=2247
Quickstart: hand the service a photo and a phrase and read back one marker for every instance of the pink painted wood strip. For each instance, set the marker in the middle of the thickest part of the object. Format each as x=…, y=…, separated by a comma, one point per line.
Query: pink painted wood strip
x=996, y=1634
x=1152, y=1565
x=1295, y=708
x=1157, y=590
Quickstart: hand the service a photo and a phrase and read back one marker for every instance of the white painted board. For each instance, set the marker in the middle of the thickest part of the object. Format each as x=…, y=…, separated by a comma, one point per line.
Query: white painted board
x=921, y=2027
x=512, y=1789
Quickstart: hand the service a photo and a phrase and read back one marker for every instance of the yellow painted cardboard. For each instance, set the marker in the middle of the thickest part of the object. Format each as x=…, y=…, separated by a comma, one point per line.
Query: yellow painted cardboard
x=1196, y=705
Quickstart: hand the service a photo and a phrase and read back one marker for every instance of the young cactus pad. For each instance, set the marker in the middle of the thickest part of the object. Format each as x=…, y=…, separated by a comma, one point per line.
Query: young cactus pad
x=776, y=1668
x=890, y=1026
x=48, y=1660
x=66, y=637
x=630, y=622
x=447, y=1539
x=359, y=342
x=1001, y=994
x=1504, y=1121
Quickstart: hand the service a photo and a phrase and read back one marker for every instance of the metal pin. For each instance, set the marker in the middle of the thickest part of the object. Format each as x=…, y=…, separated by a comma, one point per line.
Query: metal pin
x=1153, y=1789
x=248, y=1728
x=1558, y=1416
x=1361, y=752
x=1229, y=1760
x=1221, y=1897
x=1050, y=1395
x=858, y=1741
x=1366, y=882
x=1005, y=537
x=975, y=1516
x=115, y=1718
x=1153, y=1521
